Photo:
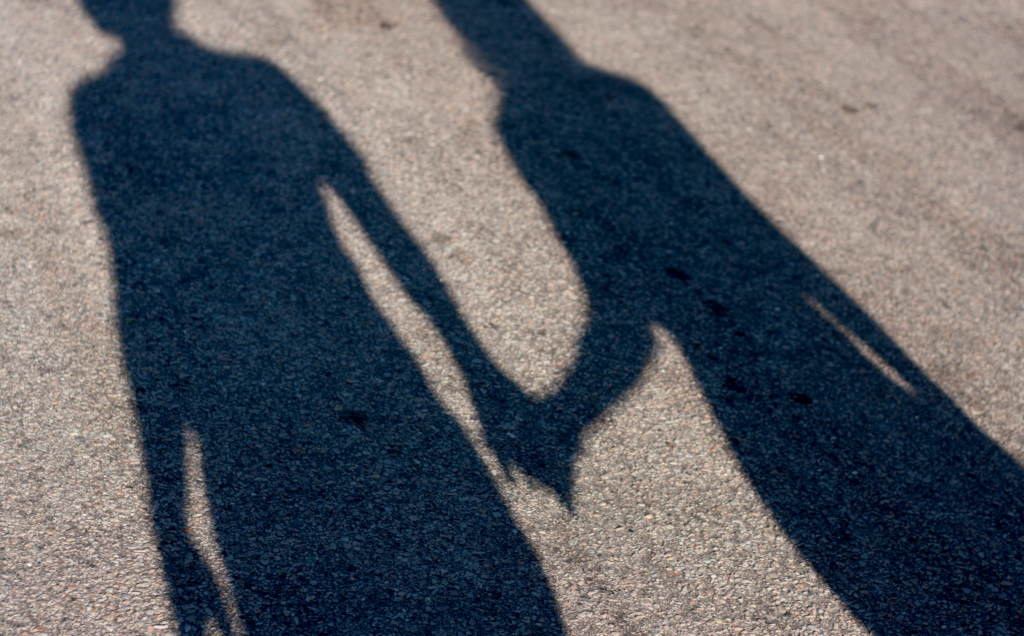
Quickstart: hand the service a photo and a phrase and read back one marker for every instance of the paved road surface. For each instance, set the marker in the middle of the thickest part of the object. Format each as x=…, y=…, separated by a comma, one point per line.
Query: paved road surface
x=486, y=317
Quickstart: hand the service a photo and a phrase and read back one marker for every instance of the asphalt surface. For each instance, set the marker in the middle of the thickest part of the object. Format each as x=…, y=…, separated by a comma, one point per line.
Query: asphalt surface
x=485, y=317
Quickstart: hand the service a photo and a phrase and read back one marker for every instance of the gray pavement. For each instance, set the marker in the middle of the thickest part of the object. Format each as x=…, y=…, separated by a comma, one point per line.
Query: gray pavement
x=480, y=317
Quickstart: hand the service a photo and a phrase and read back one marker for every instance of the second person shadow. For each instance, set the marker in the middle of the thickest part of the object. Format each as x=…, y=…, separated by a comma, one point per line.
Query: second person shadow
x=910, y=513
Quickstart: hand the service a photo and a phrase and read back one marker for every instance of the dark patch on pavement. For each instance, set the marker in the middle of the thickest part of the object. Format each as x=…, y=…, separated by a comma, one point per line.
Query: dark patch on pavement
x=800, y=398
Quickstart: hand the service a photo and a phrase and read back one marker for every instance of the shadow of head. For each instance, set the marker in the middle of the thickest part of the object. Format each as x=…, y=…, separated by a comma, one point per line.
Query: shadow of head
x=132, y=20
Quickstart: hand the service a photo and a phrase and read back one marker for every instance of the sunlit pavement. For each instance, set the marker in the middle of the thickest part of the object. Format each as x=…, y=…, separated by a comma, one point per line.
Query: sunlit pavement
x=577, y=318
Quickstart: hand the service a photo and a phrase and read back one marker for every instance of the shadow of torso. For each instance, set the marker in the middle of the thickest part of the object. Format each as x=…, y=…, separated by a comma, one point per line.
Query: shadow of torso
x=343, y=498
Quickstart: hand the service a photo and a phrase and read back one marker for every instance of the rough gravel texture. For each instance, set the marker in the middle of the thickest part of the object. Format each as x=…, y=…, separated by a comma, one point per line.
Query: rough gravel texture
x=486, y=317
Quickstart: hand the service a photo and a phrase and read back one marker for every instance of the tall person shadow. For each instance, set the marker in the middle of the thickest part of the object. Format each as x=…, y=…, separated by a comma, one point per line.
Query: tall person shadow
x=911, y=514
x=339, y=495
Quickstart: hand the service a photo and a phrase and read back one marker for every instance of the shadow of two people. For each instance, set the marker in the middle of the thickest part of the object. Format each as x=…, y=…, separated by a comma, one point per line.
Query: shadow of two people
x=345, y=498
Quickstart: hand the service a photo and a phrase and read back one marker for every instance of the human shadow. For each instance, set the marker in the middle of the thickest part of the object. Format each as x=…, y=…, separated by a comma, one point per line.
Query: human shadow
x=342, y=497
x=911, y=514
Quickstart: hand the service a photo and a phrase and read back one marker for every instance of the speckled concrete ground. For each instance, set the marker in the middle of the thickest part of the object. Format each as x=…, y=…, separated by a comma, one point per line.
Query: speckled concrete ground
x=605, y=317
